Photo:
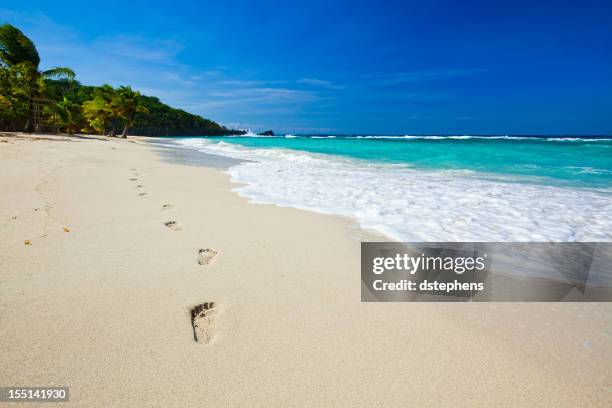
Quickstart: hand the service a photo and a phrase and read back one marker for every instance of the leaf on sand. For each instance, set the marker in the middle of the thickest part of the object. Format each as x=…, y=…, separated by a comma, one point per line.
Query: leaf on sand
x=66, y=229
x=27, y=242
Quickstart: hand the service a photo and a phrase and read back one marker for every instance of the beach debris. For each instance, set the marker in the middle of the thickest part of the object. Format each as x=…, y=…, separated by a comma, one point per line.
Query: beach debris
x=66, y=229
x=206, y=255
x=27, y=242
x=173, y=225
x=202, y=321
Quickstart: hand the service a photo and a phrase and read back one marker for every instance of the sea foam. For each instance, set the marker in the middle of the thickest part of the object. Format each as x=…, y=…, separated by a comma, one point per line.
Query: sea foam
x=417, y=205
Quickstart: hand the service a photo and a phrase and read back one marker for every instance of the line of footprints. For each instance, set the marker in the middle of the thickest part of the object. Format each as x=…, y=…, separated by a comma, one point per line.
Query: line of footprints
x=202, y=315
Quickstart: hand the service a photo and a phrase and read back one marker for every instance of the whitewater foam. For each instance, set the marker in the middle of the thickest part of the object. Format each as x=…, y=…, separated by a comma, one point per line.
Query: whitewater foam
x=416, y=205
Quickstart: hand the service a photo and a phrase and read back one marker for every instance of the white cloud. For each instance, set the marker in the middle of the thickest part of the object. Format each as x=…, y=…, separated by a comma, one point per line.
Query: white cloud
x=319, y=83
x=138, y=48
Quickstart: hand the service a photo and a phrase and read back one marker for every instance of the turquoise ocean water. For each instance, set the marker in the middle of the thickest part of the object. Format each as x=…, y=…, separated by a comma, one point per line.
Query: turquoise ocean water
x=572, y=161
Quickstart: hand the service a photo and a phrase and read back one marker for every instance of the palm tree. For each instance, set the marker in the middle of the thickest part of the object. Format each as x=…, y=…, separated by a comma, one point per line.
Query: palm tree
x=69, y=115
x=115, y=108
x=12, y=104
x=129, y=105
x=17, y=50
x=100, y=110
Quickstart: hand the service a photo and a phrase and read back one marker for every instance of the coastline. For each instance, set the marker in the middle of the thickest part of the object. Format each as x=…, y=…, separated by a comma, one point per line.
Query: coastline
x=105, y=305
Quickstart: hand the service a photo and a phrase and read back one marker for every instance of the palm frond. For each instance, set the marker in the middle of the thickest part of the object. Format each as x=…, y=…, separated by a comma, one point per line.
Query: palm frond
x=16, y=48
x=58, y=73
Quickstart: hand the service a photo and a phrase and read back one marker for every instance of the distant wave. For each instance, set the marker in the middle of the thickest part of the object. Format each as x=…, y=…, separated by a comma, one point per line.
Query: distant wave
x=577, y=139
x=439, y=137
x=505, y=137
x=249, y=133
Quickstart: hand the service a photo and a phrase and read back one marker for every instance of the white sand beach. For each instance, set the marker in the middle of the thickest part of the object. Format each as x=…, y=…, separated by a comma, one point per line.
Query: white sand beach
x=96, y=293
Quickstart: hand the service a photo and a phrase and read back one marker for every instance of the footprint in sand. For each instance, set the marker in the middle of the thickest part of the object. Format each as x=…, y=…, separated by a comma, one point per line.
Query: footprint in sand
x=142, y=194
x=203, y=321
x=173, y=225
x=139, y=186
x=133, y=179
x=206, y=256
x=167, y=207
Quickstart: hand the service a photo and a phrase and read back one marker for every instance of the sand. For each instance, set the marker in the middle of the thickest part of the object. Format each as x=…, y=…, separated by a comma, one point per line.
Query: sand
x=101, y=299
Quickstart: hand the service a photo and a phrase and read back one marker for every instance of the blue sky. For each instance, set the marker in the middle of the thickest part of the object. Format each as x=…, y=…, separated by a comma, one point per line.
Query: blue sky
x=403, y=67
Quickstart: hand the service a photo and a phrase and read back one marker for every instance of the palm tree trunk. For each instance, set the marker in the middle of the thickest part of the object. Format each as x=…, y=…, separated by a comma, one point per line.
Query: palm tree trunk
x=113, y=131
x=128, y=122
x=30, y=122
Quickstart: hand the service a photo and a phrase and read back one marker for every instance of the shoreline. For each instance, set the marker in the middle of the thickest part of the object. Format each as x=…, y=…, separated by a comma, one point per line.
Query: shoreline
x=395, y=199
x=106, y=305
x=191, y=157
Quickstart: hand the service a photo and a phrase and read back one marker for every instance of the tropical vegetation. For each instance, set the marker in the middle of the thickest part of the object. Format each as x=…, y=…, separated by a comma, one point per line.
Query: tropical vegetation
x=52, y=100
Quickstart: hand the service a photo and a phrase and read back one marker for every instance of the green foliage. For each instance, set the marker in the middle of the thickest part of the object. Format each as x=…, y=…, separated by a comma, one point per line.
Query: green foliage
x=92, y=113
x=147, y=116
x=69, y=115
x=163, y=120
x=12, y=104
x=127, y=103
x=100, y=110
x=72, y=107
x=15, y=47
x=58, y=73
x=19, y=60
